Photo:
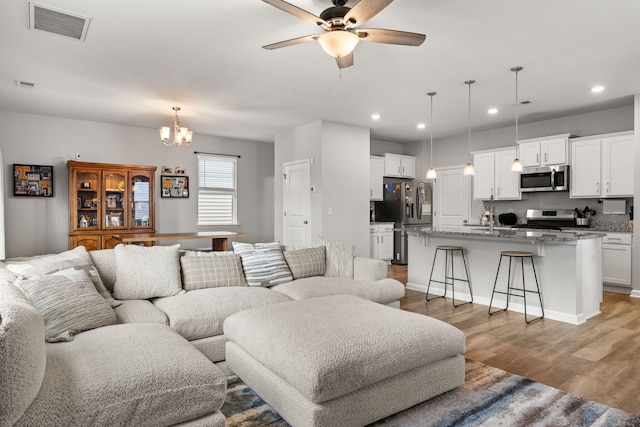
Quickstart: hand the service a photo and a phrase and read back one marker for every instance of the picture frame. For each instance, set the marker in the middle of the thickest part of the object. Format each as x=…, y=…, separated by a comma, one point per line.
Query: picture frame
x=173, y=186
x=32, y=180
x=166, y=170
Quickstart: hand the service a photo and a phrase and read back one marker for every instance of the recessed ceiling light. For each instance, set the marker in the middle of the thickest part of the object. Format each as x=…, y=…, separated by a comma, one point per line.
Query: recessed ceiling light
x=597, y=89
x=421, y=126
x=375, y=116
x=492, y=111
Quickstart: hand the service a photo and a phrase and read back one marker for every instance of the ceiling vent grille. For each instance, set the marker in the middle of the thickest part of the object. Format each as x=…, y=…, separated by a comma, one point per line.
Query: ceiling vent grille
x=51, y=20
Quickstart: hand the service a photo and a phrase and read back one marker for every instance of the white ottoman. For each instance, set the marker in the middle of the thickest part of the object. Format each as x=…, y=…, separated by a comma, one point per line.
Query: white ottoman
x=342, y=360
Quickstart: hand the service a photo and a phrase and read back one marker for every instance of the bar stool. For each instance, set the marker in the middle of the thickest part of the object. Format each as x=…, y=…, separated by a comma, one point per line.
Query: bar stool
x=449, y=251
x=520, y=292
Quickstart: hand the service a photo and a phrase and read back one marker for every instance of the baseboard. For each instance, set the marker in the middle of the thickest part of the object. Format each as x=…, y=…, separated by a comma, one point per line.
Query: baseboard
x=513, y=306
x=635, y=293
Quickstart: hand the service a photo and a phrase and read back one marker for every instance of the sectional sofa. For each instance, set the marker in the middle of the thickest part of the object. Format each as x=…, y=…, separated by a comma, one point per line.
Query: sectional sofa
x=128, y=335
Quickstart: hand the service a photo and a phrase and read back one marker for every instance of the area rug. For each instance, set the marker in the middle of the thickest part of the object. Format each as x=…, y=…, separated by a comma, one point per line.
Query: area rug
x=489, y=397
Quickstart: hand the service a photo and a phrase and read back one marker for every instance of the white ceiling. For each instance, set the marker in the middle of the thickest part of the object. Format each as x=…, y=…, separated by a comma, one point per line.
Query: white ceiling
x=140, y=58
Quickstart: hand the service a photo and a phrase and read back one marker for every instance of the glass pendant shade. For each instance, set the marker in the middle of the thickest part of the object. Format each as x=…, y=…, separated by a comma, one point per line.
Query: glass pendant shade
x=469, y=169
x=338, y=43
x=516, y=165
x=431, y=173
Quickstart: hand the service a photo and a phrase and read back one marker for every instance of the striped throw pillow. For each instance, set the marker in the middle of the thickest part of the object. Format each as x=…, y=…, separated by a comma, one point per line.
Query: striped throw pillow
x=69, y=303
x=263, y=263
x=306, y=262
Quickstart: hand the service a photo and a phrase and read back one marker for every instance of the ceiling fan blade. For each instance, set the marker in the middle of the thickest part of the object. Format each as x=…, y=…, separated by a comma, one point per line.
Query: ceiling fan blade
x=378, y=35
x=296, y=11
x=291, y=42
x=345, y=61
x=365, y=10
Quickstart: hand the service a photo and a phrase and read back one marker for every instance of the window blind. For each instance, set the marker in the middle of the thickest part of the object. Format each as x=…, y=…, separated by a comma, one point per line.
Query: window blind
x=217, y=192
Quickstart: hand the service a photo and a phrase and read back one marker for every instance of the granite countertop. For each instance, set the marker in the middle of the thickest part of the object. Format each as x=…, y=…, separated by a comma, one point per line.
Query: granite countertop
x=596, y=226
x=510, y=233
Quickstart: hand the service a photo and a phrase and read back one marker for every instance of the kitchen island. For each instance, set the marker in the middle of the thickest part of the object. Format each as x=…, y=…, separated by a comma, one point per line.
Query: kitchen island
x=568, y=265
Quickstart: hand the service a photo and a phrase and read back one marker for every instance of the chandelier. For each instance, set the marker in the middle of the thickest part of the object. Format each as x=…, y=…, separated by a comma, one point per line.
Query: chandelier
x=181, y=135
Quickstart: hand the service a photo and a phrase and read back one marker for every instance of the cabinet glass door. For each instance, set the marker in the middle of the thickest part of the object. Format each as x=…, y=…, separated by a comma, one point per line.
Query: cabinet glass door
x=86, y=201
x=140, y=201
x=114, y=200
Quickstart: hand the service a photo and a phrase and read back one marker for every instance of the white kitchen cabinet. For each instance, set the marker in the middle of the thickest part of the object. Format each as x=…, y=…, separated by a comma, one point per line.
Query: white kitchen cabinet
x=548, y=151
x=602, y=166
x=381, y=240
x=617, y=166
x=376, y=172
x=616, y=259
x=399, y=166
x=494, y=177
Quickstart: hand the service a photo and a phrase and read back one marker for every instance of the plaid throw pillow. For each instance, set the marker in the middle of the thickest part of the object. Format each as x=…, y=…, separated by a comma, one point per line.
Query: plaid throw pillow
x=211, y=270
x=306, y=262
x=263, y=263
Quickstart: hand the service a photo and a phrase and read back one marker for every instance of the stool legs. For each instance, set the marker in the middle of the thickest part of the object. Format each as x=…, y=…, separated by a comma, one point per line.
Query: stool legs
x=449, y=279
x=523, y=291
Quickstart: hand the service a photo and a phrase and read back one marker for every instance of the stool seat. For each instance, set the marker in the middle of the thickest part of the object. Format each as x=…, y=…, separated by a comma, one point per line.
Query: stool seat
x=449, y=276
x=449, y=248
x=516, y=253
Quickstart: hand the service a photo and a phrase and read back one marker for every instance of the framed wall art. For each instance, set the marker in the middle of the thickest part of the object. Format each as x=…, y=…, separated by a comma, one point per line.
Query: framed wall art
x=174, y=186
x=32, y=180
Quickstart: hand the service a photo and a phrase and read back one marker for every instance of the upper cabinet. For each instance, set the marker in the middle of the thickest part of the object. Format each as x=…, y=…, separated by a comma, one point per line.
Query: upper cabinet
x=376, y=172
x=399, y=166
x=602, y=166
x=547, y=151
x=106, y=200
x=494, y=177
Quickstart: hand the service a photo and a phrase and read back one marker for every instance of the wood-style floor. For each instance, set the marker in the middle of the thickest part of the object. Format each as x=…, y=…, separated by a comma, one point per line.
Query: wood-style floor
x=598, y=360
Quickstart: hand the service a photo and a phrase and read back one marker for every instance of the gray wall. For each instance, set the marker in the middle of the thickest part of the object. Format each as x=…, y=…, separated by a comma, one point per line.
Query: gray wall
x=39, y=225
x=340, y=173
x=635, y=251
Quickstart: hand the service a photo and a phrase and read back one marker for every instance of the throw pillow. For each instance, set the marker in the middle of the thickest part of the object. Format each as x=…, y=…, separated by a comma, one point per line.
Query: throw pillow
x=263, y=263
x=211, y=270
x=144, y=272
x=306, y=262
x=77, y=258
x=339, y=258
x=68, y=302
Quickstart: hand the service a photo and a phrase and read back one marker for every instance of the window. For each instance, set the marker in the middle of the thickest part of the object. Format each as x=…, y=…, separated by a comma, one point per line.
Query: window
x=217, y=192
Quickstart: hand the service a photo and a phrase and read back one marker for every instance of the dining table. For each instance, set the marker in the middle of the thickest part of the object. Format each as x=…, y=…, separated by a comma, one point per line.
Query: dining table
x=219, y=239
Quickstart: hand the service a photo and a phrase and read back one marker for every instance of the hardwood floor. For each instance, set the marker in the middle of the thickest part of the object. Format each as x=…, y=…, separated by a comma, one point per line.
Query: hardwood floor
x=599, y=360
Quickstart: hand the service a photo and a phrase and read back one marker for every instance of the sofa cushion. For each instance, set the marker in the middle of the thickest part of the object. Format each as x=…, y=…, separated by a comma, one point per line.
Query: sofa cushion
x=339, y=258
x=381, y=291
x=202, y=270
x=263, y=263
x=22, y=353
x=69, y=303
x=77, y=258
x=306, y=262
x=201, y=313
x=147, y=272
x=122, y=375
x=139, y=311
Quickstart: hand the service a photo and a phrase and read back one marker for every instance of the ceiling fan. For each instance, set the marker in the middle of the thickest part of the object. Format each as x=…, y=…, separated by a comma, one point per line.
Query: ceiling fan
x=341, y=33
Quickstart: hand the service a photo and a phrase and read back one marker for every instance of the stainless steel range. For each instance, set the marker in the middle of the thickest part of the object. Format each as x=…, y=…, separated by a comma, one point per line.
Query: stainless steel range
x=551, y=219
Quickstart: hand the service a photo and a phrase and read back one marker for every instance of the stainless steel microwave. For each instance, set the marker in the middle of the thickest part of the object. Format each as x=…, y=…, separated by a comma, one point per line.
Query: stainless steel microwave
x=548, y=178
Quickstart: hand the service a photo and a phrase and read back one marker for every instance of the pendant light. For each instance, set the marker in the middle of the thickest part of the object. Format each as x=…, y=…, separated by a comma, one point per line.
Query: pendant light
x=469, y=169
x=431, y=172
x=516, y=165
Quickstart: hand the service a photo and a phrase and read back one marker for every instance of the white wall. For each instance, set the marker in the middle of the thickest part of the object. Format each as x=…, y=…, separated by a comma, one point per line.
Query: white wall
x=635, y=251
x=340, y=173
x=40, y=225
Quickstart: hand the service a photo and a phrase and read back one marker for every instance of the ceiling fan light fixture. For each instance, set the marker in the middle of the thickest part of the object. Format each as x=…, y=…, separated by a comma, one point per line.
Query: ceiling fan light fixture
x=338, y=43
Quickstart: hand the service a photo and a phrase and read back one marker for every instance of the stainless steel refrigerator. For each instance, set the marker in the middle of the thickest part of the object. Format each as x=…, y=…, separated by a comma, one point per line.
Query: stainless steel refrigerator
x=407, y=204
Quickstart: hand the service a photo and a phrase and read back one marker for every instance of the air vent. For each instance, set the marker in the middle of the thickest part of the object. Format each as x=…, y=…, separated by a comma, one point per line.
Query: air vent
x=25, y=84
x=526, y=102
x=51, y=20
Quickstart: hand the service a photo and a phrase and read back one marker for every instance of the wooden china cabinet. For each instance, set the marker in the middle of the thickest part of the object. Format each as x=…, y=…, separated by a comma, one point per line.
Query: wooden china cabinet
x=109, y=199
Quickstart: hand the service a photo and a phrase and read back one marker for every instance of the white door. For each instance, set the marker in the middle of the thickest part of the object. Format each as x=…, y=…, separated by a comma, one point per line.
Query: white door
x=452, y=197
x=297, y=203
